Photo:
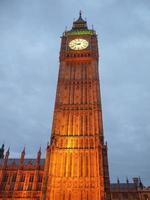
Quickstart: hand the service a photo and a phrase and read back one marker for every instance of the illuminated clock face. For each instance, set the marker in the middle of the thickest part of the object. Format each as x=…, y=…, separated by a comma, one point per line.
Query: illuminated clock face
x=78, y=44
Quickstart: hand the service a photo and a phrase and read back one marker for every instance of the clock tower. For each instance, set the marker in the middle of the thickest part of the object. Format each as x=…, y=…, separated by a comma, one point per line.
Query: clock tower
x=76, y=165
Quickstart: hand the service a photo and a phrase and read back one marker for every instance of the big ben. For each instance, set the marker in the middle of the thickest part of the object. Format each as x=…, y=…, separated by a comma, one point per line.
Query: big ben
x=76, y=165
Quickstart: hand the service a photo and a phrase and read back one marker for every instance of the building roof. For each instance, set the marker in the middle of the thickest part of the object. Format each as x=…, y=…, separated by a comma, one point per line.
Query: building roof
x=80, y=23
x=123, y=186
x=16, y=161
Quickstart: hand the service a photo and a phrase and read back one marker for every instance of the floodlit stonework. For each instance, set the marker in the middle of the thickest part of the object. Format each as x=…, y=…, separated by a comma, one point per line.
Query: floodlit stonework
x=76, y=163
x=76, y=166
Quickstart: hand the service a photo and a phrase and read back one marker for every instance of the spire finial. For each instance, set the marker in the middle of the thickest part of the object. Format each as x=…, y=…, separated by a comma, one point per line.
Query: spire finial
x=127, y=180
x=22, y=156
x=6, y=157
x=8, y=150
x=118, y=181
x=80, y=14
x=38, y=157
x=39, y=152
x=7, y=153
x=23, y=151
x=48, y=144
x=2, y=149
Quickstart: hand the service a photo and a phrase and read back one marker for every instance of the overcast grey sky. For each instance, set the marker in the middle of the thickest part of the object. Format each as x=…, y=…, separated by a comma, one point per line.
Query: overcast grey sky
x=30, y=33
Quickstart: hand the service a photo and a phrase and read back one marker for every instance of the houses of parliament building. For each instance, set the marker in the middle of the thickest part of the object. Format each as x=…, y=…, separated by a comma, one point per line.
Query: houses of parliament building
x=76, y=162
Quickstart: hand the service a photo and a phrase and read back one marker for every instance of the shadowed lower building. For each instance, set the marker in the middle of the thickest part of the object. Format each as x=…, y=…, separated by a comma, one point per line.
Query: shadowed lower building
x=21, y=178
x=129, y=190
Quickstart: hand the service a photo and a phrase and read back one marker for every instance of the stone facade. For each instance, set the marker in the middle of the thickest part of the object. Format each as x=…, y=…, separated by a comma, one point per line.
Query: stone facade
x=21, y=178
x=130, y=190
x=144, y=193
x=76, y=164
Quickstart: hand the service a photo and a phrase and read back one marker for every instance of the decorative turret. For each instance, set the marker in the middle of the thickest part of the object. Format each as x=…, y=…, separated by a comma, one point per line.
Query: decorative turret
x=2, y=152
x=79, y=23
x=22, y=157
x=140, y=183
x=6, y=157
x=7, y=154
x=136, y=181
x=127, y=180
x=38, y=157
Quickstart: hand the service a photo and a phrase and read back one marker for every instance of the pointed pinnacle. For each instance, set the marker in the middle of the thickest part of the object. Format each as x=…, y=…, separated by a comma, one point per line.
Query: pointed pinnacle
x=3, y=147
x=8, y=150
x=39, y=150
x=23, y=151
x=80, y=13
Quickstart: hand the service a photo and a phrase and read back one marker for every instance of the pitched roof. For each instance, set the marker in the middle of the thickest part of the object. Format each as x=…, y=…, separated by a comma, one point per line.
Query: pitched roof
x=16, y=161
x=122, y=186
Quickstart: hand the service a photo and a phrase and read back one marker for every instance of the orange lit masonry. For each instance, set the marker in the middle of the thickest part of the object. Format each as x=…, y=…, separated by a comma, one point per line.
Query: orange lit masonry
x=76, y=167
x=76, y=164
